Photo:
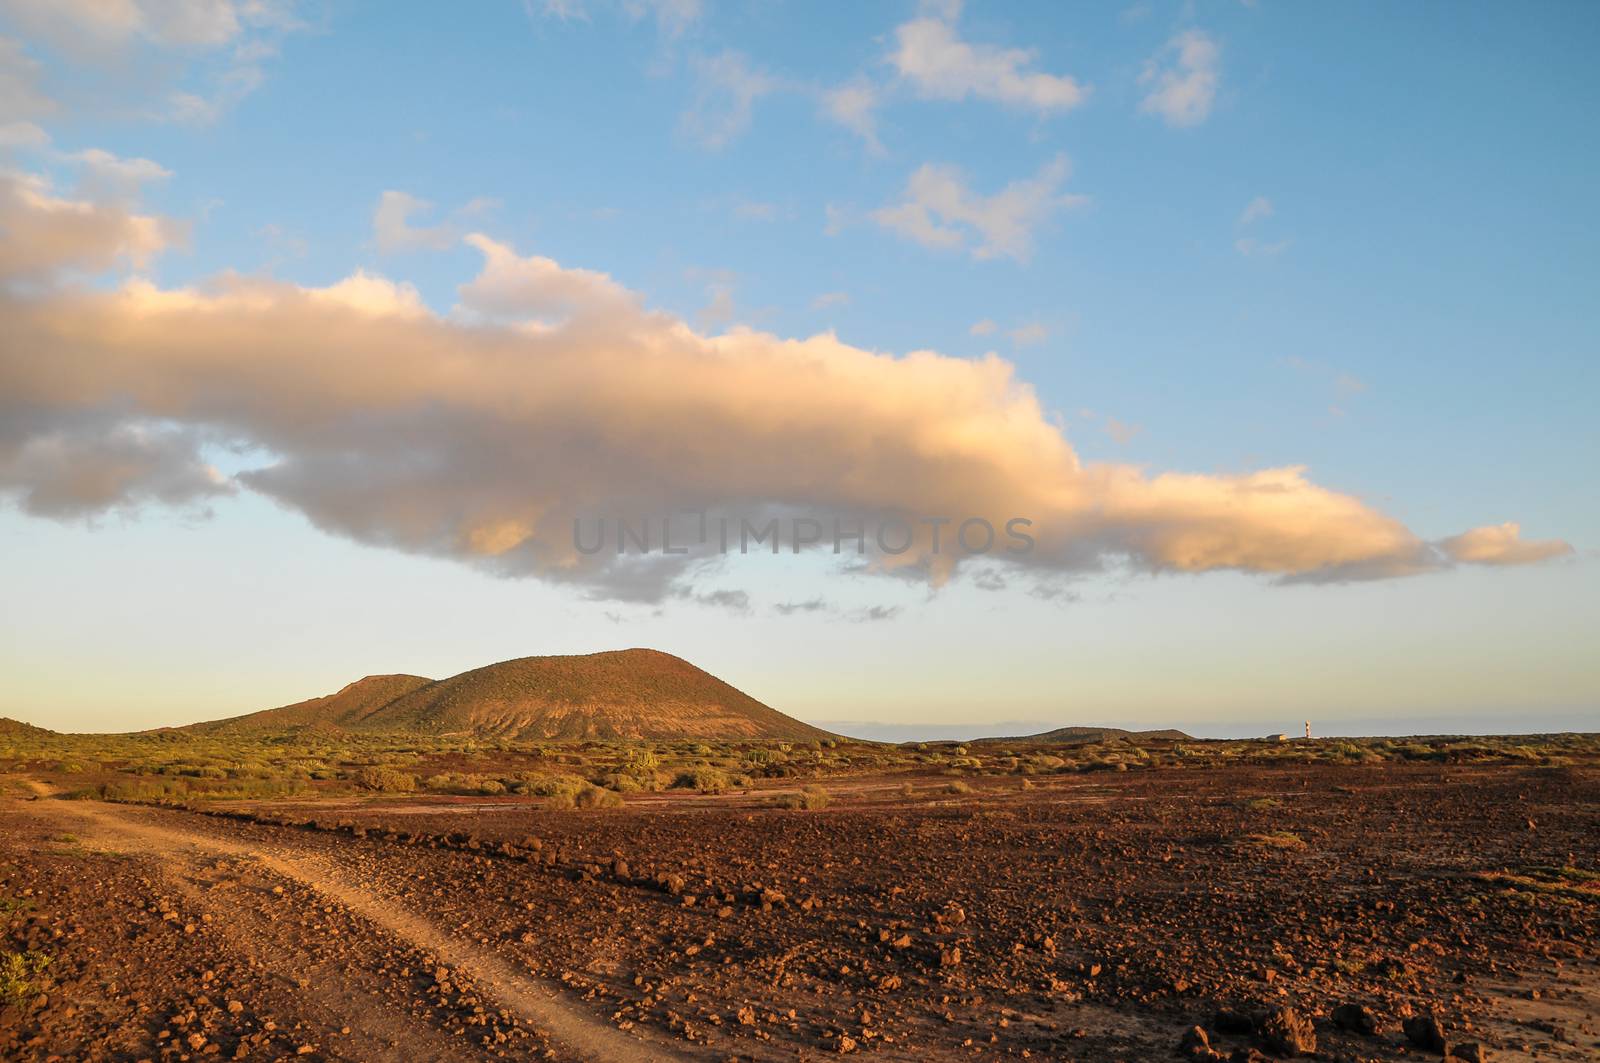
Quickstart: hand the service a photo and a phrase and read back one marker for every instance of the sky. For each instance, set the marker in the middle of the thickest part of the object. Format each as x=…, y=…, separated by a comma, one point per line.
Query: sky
x=322, y=326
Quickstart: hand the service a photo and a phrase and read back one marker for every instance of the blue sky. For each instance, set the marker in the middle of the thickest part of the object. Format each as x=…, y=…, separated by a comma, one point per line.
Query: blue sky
x=1358, y=239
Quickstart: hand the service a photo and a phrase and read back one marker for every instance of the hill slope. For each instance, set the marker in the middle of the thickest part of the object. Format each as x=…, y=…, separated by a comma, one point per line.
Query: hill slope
x=349, y=708
x=620, y=694
x=1086, y=735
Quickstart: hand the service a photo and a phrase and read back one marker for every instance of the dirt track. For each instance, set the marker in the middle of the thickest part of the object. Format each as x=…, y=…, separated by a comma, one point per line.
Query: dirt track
x=1095, y=921
x=181, y=852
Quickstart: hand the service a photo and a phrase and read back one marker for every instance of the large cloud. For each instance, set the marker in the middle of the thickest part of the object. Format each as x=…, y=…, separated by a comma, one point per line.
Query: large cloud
x=46, y=235
x=551, y=394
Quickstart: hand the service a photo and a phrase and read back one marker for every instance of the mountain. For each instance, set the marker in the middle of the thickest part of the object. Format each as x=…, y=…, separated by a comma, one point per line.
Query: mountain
x=349, y=708
x=619, y=694
x=1088, y=735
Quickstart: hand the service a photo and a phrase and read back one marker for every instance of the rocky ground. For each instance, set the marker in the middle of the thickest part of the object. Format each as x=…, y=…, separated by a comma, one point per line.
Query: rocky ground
x=1335, y=912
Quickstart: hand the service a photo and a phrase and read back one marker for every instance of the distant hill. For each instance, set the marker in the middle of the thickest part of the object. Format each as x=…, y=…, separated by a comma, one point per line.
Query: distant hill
x=619, y=694
x=17, y=729
x=1088, y=735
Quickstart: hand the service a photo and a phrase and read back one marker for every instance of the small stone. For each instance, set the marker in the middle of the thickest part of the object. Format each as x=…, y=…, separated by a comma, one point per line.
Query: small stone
x=1471, y=1052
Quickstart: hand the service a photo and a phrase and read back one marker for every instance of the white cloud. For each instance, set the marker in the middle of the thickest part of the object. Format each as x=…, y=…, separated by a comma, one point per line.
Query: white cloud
x=565, y=10
x=48, y=237
x=22, y=135
x=1256, y=210
x=196, y=58
x=108, y=176
x=1121, y=433
x=727, y=91
x=1183, y=79
x=1501, y=544
x=1030, y=335
x=672, y=17
x=392, y=230
x=940, y=211
x=749, y=210
x=854, y=106
x=830, y=299
x=89, y=26
x=983, y=328
x=553, y=393
x=940, y=65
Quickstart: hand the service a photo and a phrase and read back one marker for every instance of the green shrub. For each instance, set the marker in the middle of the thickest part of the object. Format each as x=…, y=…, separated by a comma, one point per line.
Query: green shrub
x=22, y=975
x=811, y=798
x=386, y=780
x=705, y=780
x=540, y=784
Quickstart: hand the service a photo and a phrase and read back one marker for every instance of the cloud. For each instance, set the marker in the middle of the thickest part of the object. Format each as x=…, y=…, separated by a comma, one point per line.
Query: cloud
x=103, y=25
x=1257, y=209
x=1029, y=335
x=1501, y=544
x=982, y=328
x=727, y=91
x=1120, y=433
x=673, y=18
x=940, y=65
x=1183, y=79
x=873, y=613
x=22, y=135
x=550, y=394
x=830, y=299
x=47, y=237
x=720, y=310
x=754, y=211
x=20, y=95
x=105, y=175
x=90, y=467
x=224, y=43
x=392, y=230
x=940, y=211
x=812, y=605
x=854, y=106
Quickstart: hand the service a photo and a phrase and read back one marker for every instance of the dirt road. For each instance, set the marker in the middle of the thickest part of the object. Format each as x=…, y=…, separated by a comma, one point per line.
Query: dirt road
x=188, y=860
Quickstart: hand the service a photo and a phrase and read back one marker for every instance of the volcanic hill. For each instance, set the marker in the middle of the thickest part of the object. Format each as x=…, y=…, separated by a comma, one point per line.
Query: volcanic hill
x=619, y=694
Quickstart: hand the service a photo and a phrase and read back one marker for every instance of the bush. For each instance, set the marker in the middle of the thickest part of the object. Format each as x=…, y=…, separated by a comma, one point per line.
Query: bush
x=597, y=797
x=957, y=788
x=386, y=780
x=705, y=780
x=21, y=975
x=539, y=784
